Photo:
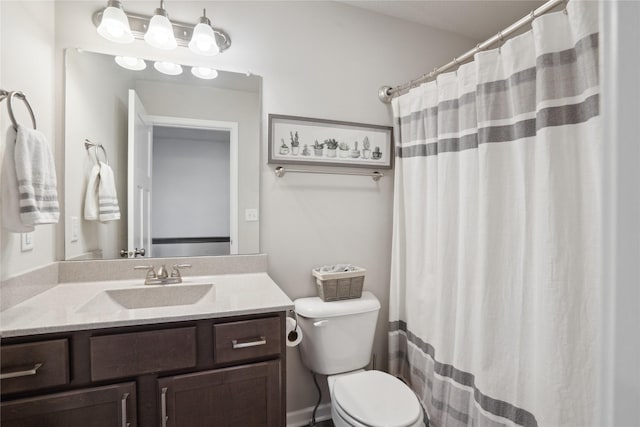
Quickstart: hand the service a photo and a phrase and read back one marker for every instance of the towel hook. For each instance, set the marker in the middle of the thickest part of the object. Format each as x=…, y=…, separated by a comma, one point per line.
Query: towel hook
x=22, y=97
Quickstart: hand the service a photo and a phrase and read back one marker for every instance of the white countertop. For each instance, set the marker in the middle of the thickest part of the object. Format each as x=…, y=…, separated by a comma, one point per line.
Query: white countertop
x=60, y=309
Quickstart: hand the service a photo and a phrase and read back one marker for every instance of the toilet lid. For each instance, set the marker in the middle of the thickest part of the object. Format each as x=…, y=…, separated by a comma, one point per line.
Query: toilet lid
x=375, y=398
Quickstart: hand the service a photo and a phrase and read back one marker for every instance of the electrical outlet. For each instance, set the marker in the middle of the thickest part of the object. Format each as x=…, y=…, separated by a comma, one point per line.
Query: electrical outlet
x=75, y=228
x=26, y=242
x=251, y=215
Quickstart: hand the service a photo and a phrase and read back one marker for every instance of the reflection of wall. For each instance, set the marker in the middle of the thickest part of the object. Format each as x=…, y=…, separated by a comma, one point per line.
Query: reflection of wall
x=27, y=64
x=207, y=103
x=190, y=193
x=96, y=108
x=317, y=59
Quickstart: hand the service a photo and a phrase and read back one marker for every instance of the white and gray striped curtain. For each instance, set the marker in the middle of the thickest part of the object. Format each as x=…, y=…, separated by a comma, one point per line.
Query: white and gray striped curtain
x=494, y=305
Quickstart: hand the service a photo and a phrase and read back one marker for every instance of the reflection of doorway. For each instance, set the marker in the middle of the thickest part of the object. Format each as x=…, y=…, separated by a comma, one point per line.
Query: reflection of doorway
x=189, y=186
x=190, y=208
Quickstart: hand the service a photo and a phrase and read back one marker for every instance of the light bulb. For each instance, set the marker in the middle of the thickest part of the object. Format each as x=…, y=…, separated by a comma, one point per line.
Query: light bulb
x=204, y=73
x=131, y=63
x=114, y=25
x=168, y=68
x=203, y=41
x=160, y=31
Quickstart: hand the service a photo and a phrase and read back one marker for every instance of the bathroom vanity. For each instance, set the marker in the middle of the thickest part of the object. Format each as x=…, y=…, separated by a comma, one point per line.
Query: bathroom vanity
x=217, y=361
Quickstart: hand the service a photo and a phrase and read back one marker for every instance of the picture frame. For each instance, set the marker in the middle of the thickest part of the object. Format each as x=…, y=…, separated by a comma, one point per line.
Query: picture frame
x=309, y=141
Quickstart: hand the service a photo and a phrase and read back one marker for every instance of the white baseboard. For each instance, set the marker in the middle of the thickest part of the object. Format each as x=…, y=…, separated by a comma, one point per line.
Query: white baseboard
x=302, y=417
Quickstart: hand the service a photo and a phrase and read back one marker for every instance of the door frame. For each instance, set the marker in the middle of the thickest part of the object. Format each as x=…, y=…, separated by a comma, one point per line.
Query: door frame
x=232, y=128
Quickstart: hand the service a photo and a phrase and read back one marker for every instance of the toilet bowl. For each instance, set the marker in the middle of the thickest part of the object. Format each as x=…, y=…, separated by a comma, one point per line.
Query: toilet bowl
x=337, y=342
x=372, y=399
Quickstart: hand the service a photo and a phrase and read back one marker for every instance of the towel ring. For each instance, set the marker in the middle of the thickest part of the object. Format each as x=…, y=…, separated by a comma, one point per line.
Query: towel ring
x=22, y=97
x=88, y=145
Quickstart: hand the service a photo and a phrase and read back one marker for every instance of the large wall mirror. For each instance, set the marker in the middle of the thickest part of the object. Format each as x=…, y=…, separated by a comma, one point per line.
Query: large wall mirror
x=184, y=156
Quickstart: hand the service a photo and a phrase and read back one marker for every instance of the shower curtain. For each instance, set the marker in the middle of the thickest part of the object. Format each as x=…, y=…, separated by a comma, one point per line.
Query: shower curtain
x=494, y=316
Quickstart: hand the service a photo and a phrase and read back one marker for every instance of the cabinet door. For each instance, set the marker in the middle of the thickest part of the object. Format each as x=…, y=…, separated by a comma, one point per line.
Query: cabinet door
x=243, y=396
x=109, y=406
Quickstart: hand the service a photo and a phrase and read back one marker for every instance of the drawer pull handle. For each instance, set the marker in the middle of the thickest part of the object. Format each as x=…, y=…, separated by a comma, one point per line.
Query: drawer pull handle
x=244, y=344
x=22, y=373
x=163, y=404
x=123, y=404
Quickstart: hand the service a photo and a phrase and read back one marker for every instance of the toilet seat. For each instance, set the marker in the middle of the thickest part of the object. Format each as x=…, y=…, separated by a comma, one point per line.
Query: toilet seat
x=375, y=398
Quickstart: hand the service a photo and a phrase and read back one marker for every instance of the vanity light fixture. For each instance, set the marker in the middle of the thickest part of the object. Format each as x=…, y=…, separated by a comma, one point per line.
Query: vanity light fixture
x=131, y=63
x=168, y=68
x=160, y=32
x=114, y=25
x=203, y=41
x=204, y=73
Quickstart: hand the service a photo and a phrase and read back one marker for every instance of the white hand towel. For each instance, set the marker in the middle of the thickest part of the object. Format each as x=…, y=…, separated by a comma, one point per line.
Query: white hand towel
x=36, y=173
x=107, y=197
x=10, y=196
x=91, y=197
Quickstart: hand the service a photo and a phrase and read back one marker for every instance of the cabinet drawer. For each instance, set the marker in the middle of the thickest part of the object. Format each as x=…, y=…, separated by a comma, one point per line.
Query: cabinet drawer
x=247, y=339
x=34, y=365
x=130, y=354
x=109, y=406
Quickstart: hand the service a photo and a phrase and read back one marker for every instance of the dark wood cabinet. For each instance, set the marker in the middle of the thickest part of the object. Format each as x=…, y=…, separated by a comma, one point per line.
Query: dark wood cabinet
x=244, y=396
x=33, y=366
x=210, y=372
x=108, y=406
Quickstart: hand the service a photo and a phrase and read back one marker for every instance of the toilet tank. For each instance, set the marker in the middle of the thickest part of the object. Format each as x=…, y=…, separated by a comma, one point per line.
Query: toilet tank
x=337, y=335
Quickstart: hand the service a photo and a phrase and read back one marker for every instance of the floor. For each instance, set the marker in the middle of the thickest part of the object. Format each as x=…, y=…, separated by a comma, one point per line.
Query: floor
x=327, y=423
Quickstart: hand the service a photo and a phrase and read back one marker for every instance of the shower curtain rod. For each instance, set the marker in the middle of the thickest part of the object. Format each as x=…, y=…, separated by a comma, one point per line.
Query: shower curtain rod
x=387, y=93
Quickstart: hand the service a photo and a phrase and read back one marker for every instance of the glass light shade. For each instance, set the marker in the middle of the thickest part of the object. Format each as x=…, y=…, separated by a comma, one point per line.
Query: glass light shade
x=204, y=73
x=168, y=68
x=114, y=26
x=131, y=63
x=160, y=33
x=203, y=41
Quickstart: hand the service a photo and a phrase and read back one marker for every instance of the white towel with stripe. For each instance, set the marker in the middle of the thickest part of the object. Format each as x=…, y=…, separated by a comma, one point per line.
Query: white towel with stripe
x=91, y=196
x=10, y=196
x=107, y=197
x=36, y=174
x=101, y=199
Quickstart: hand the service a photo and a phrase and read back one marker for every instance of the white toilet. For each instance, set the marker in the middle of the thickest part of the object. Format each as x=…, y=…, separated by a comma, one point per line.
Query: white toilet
x=338, y=338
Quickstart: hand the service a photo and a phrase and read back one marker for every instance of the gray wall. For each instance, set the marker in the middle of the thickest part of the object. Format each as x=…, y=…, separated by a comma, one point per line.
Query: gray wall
x=190, y=194
x=28, y=65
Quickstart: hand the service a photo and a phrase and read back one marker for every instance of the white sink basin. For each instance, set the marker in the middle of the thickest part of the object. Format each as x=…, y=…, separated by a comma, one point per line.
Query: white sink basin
x=148, y=297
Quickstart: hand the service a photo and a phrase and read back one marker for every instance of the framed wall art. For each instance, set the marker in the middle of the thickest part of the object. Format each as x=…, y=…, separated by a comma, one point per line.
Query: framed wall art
x=303, y=140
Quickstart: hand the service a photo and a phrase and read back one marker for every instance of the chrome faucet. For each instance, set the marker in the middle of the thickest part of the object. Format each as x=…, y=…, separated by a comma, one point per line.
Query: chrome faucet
x=162, y=277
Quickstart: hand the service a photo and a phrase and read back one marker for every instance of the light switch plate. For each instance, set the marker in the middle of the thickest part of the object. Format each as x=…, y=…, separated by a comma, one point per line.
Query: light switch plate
x=251, y=215
x=26, y=242
x=75, y=228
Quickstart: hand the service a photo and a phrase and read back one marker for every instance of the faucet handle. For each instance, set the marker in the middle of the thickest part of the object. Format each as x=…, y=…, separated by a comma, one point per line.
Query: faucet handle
x=176, y=270
x=150, y=273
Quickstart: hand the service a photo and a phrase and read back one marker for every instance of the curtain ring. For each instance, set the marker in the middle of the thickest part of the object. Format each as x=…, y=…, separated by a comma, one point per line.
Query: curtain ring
x=22, y=97
x=533, y=14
